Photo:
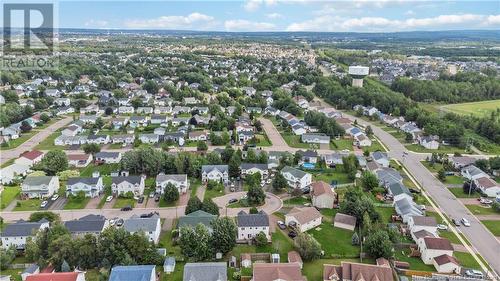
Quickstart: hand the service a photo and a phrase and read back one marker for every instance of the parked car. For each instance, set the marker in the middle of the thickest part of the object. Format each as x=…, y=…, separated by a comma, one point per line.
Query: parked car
x=126, y=208
x=157, y=198
x=474, y=273
x=281, y=225
x=152, y=194
x=485, y=201
x=119, y=222
x=232, y=201
x=416, y=191
x=141, y=199
x=292, y=224
x=455, y=222
x=292, y=234
x=54, y=197
x=44, y=204
x=442, y=227
x=109, y=198
x=465, y=222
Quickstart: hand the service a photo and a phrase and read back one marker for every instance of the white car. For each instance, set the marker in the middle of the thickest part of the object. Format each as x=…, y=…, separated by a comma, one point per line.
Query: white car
x=465, y=222
x=44, y=204
x=109, y=198
x=442, y=227
x=485, y=201
x=54, y=197
x=474, y=273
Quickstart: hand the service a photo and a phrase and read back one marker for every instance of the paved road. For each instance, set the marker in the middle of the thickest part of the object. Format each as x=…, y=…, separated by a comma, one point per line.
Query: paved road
x=274, y=136
x=273, y=203
x=480, y=237
x=6, y=155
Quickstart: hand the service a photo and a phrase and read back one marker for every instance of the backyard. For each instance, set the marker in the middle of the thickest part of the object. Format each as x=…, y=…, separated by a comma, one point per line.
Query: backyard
x=328, y=175
x=336, y=242
x=8, y=194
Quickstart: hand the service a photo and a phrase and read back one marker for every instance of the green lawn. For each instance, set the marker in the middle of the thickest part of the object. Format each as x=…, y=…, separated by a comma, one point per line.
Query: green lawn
x=176, y=275
x=280, y=244
x=493, y=226
x=104, y=169
x=386, y=213
x=480, y=210
x=20, y=140
x=74, y=203
x=432, y=167
x=376, y=146
x=336, y=242
x=212, y=193
x=28, y=205
x=329, y=175
x=466, y=260
x=442, y=149
x=341, y=144
x=164, y=203
x=300, y=200
x=167, y=242
x=459, y=193
x=454, y=180
x=48, y=143
x=294, y=141
x=8, y=194
x=415, y=262
x=479, y=109
x=263, y=140
x=122, y=202
x=15, y=274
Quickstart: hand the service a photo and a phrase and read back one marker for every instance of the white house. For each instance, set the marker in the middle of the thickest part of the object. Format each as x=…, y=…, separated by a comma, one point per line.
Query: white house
x=215, y=172
x=39, y=187
x=322, y=195
x=92, y=187
x=179, y=180
x=305, y=218
x=381, y=158
x=123, y=184
x=315, y=138
x=249, y=225
x=79, y=160
x=446, y=264
x=108, y=157
x=472, y=172
x=30, y=158
x=417, y=223
x=487, y=186
x=432, y=247
x=150, y=226
x=362, y=140
x=430, y=142
x=296, y=178
x=252, y=168
x=16, y=234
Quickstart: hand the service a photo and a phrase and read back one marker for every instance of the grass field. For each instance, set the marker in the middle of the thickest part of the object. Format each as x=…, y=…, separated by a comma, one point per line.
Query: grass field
x=415, y=262
x=28, y=205
x=74, y=203
x=493, y=226
x=336, y=242
x=8, y=194
x=480, y=210
x=480, y=108
x=20, y=140
x=122, y=202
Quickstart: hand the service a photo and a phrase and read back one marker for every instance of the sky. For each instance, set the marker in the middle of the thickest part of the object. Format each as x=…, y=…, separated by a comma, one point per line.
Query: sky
x=282, y=15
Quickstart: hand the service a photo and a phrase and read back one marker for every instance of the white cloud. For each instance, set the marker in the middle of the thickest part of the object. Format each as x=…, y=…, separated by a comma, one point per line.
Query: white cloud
x=191, y=21
x=410, y=13
x=274, y=16
x=96, y=23
x=253, y=5
x=245, y=25
x=339, y=24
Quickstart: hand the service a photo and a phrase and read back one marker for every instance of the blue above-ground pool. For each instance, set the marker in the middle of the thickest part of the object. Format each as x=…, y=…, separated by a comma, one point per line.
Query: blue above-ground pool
x=308, y=166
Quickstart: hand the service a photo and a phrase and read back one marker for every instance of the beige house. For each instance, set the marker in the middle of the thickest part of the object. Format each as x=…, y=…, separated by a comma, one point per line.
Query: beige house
x=305, y=218
x=344, y=221
x=322, y=195
x=431, y=247
x=446, y=264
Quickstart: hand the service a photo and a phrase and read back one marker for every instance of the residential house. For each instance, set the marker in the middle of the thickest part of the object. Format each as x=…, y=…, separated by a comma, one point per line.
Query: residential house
x=294, y=257
x=72, y=130
x=198, y=135
x=91, y=187
x=79, y=160
x=138, y=121
x=299, y=129
x=398, y=190
x=106, y=157
x=89, y=224
x=315, y=138
x=123, y=184
x=296, y=178
x=245, y=136
x=88, y=119
x=178, y=180
x=16, y=234
x=305, y=218
x=149, y=138
x=362, y=140
x=334, y=158
x=151, y=226
x=252, y=168
x=460, y=162
x=388, y=176
x=126, y=138
x=12, y=172
x=344, y=221
x=195, y=218
x=381, y=158
x=447, y=264
x=488, y=186
x=249, y=225
x=133, y=273
x=205, y=271
x=350, y=271
x=215, y=172
x=406, y=208
x=308, y=156
x=144, y=110
x=472, y=173
x=159, y=119
x=249, y=91
x=98, y=139
x=322, y=195
x=277, y=271
x=432, y=247
x=30, y=158
x=39, y=187
x=418, y=223
x=429, y=142
x=57, y=276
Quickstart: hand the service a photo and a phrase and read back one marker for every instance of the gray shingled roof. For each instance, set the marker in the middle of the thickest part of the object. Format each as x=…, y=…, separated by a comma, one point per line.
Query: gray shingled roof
x=130, y=179
x=85, y=225
x=260, y=219
x=205, y=271
x=246, y=166
x=194, y=218
x=39, y=180
x=88, y=181
x=176, y=177
x=141, y=224
x=295, y=172
x=209, y=168
x=22, y=228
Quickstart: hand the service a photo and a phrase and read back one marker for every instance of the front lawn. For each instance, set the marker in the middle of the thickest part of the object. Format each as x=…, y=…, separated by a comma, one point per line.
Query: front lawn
x=432, y=167
x=28, y=205
x=493, y=226
x=454, y=180
x=466, y=260
x=336, y=242
x=74, y=203
x=20, y=140
x=480, y=210
x=123, y=202
x=300, y=200
x=376, y=146
x=48, y=143
x=294, y=141
x=212, y=193
x=8, y=194
x=164, y=203
x=442, y=149
x=459, y=193
x=341, y=144
x=416, y=263
x=263, y=140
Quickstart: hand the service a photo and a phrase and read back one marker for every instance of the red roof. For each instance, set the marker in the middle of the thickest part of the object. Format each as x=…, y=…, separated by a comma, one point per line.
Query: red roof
x=56, y=276
x=78, y=157
x=32, y=155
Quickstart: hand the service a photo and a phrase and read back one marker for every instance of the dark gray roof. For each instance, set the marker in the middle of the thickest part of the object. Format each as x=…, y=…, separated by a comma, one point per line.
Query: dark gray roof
x=379, y=155
x=308, y=153
x=130, y=179
x=205, y=271
x=398, y=188
x=86, y=224
x=295, y=172
x=88, y=181
x=107, y=154
x=22, y=228
x=141, y=224
x=259, y=219
x=175, y=177
x=95, y=137
x=246, y=166
x=209, y=168
x=38, y=180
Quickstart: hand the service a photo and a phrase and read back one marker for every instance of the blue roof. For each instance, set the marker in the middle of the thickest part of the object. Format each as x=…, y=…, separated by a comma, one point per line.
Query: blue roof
x=132, y=273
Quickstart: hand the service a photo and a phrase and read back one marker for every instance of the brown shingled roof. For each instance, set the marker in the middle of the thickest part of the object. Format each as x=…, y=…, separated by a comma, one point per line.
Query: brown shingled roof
x=32, y=155
x=486, y=182
x=304, y=215
x=293, y=256
x=277, y=271
x=345, y=219
x=321, y=187
x=444, y=259
x=437, y=243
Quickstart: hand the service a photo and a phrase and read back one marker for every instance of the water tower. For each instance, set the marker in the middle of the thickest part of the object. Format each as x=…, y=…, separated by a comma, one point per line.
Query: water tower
x=358, y=73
